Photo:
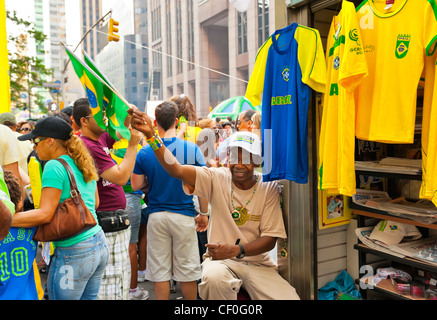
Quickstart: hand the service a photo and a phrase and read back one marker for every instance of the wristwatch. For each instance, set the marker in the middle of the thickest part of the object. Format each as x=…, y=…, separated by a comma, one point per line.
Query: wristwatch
x=242, y=252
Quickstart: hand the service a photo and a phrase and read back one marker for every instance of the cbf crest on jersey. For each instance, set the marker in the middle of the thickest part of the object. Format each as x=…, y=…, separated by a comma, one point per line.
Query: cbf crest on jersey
x=402, y=44
x=286, y=73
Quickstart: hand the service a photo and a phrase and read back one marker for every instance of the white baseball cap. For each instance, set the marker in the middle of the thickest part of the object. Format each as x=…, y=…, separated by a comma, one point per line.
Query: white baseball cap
x=391, y=232
x=248, y=141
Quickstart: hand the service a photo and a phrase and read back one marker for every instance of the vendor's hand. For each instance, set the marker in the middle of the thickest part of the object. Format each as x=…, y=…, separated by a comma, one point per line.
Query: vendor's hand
x=141, y=122
x=202, y=222
x=220, y=251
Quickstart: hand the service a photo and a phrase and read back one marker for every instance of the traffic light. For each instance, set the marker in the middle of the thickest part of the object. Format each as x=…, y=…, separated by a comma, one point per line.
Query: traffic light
x=113, y=30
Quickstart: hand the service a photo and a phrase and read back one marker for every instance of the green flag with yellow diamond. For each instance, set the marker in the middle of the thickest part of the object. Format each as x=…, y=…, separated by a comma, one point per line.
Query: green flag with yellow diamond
x=93, y=88
x=116, y=109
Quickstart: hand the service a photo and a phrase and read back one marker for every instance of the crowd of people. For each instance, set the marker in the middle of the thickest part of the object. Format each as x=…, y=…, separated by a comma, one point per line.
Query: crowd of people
x=192, y=207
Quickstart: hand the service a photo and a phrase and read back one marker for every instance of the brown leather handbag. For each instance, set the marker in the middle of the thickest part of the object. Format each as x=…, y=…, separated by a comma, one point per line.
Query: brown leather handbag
x=71, y=217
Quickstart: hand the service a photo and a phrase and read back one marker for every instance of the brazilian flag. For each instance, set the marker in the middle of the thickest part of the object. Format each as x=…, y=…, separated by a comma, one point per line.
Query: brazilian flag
x=116, y=109
x=102, y=98
x=93, y=88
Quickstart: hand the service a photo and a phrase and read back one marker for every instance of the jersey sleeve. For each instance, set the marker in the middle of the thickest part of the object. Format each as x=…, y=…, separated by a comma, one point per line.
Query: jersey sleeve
x=353, y=68
x=430, y=36
x=311, y=58
x=255, y=86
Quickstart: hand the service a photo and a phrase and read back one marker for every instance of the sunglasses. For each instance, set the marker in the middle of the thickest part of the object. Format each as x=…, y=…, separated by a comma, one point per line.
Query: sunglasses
x=38, y=140
x=25, y=129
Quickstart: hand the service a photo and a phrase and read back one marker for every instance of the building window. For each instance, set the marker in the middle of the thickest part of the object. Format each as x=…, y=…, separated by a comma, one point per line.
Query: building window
x=179, y=35
x=263, y=21
x=190, y=34
x=242, y=32
x=156, y=23
x=169, y=39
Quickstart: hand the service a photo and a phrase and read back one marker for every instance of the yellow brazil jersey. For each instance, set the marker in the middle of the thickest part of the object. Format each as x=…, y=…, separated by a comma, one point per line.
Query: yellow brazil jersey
x=310, y=58
x=428, y=189
x=395, y=36
x=346, y=68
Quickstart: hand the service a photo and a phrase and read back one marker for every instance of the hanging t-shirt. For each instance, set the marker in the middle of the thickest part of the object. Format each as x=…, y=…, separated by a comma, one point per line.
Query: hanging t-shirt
x=395, y=37
x=428, y=188
x=17, y=274
x=346, y=68
x=295, y=63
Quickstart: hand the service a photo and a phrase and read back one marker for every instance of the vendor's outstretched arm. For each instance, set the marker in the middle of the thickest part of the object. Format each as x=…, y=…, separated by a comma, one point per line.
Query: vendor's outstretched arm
x=185, y=173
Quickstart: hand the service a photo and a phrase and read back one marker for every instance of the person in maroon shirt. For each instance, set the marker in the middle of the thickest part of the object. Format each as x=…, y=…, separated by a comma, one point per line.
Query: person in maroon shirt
x=111, y=194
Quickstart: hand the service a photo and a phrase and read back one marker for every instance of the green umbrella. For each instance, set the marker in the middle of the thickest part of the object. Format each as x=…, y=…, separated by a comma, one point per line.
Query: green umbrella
x=232, y=107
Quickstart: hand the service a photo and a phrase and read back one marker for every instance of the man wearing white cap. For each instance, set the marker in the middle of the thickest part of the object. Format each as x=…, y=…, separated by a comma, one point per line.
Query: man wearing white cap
x=245, y=219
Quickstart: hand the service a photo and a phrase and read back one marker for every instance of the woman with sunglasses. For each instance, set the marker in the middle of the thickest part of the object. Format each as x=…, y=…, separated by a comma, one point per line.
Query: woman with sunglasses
x=24, y=127
x=77, y=265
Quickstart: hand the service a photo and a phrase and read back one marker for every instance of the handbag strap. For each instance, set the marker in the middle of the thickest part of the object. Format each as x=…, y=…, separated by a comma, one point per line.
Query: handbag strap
x=74, y=191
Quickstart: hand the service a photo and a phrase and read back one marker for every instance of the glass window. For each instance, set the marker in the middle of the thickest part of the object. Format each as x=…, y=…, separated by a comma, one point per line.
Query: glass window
x=242, y=32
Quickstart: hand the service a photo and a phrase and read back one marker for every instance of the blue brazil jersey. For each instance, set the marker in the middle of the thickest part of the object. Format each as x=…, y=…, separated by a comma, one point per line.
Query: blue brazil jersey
x=295, y=65
x=17, y=255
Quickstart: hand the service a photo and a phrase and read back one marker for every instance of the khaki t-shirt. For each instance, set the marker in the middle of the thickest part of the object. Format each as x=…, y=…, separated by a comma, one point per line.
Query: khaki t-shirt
x=264, y=214
x=9, y=150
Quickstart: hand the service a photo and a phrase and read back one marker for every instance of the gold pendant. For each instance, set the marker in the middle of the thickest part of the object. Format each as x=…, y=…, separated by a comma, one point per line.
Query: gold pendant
x=240, y=216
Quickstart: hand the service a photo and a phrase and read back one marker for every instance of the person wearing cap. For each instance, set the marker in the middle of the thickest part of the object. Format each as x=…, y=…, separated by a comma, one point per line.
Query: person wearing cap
x=245, y=219
x=84, y=256
x=112, y=177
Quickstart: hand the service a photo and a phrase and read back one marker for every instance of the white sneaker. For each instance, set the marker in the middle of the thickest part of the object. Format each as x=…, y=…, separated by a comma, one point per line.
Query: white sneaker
x=141, y=277
x=140, y=295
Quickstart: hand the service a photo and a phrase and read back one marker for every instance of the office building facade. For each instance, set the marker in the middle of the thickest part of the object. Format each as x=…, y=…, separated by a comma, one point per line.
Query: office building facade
x=205, y=49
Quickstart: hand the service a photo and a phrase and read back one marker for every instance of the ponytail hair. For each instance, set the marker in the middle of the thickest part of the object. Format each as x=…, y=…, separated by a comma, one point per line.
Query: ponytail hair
x=82, y=158
x=186, y=108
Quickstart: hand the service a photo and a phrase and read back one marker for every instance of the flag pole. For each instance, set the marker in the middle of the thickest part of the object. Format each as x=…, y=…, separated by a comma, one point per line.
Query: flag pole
x=97, y=76
x=106, y=80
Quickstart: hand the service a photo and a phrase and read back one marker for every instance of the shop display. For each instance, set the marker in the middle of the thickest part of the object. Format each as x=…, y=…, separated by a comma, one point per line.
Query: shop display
x=395, y=36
